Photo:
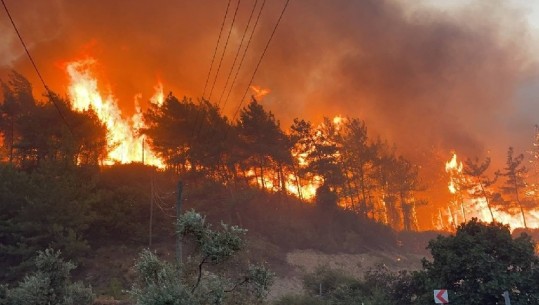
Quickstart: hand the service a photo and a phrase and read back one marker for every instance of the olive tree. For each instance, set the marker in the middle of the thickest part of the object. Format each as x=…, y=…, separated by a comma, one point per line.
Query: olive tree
x=160, y=282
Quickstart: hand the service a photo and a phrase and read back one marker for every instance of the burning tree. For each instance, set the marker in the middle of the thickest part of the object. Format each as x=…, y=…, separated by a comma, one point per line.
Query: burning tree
x=188, y=136
x=318, y=154
x=384, y=174
x=456, y=187
x=515, y=185
x=407, y=188
x=33, y=132
x=301, y=140
x=533, y=174
x=264, y=145
x=358, y=157
x=478, y=185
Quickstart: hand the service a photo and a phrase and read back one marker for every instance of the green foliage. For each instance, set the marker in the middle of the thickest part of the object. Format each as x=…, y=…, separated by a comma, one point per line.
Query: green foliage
x=334, y=287
x=215, y=246
x=49, y=207
x=299, y=300
x=481, y=261
x=260, y=279
x=476, y=265
x=325, y=281
x=121, y=211
x=49, y=284
x=160, y=282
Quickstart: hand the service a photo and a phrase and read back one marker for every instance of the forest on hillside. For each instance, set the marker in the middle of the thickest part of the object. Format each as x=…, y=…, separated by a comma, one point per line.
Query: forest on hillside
x=334, y=163
x=328, y=187
x=55, y=191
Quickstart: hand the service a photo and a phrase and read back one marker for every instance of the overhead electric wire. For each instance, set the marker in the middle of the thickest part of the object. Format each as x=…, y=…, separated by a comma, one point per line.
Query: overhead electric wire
x=237, y=53
x=49, y=93
x=198, y=126
x=235, y=59
x=224, y=49
x=260, y=60
x=244, y=53
x=216, y=47
x=199, y=113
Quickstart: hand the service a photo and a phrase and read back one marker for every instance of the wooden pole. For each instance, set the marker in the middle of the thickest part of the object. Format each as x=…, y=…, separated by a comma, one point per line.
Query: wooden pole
x=151, y=212
x=178, y=213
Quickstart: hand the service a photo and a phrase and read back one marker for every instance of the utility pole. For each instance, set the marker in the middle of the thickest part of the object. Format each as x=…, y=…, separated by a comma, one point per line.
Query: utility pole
x=151, y=212
x=506, y=298
x=142, y=151
x=178, y=213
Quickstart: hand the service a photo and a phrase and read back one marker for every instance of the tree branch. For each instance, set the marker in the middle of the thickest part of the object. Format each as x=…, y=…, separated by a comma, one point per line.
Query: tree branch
x=199, y=273
x=245, y=280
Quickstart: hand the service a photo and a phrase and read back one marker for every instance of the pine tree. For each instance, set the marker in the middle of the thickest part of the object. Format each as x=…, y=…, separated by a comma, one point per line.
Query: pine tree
x=515, y=185
x=533, y=175
x=358, y=156
x=478, y=185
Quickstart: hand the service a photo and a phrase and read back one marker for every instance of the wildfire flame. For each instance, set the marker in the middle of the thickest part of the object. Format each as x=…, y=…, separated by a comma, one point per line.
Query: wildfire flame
x=125, y=145
x=465, y=207
x=454, y=169
x=259, y=93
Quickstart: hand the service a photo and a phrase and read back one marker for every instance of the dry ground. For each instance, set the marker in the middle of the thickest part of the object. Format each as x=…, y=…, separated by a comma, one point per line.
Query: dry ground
x=306, y=261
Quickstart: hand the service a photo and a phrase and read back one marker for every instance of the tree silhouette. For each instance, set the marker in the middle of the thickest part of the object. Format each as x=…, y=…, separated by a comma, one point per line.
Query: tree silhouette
x=264, y=144
x=33, y=132
x=514, y=185
x=358, y=156
x=478, y=184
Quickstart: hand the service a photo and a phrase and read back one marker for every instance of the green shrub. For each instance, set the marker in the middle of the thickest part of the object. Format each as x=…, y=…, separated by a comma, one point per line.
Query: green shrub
x=162, y=283
x=50, y=284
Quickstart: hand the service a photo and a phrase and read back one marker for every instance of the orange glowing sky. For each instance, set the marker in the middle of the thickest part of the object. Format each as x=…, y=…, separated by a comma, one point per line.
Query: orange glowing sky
x=430, y=77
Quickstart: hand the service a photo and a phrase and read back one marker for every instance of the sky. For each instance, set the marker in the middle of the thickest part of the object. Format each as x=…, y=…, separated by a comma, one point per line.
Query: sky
x=431, y=76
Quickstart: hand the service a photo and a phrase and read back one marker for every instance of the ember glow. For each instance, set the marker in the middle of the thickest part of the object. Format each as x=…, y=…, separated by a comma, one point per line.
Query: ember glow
x=463, y=207
x=125, y=145
x=259, y=93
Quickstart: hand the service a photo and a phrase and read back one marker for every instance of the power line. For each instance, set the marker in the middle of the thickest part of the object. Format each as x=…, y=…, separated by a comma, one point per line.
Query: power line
x=244, y=54
x=199, y=113
x=258, y=64
x=238, y=52
x=215, y=50
x=198, y=127
x=224, y=49
x=260, y=60
x=261, y=57
x=49, y=93
x=235, y=59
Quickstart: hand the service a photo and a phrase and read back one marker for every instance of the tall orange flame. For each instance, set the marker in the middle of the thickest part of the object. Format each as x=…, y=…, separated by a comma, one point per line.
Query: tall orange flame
x=125, y=145
x=477, y=207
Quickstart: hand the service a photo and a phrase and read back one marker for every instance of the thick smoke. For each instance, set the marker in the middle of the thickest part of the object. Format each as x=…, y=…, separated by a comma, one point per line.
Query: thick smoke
x=426, y=80
x=418, y=77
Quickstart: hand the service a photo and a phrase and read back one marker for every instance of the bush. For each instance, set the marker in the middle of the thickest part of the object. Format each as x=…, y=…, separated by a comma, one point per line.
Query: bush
x=162, y=283
x=50, y=284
